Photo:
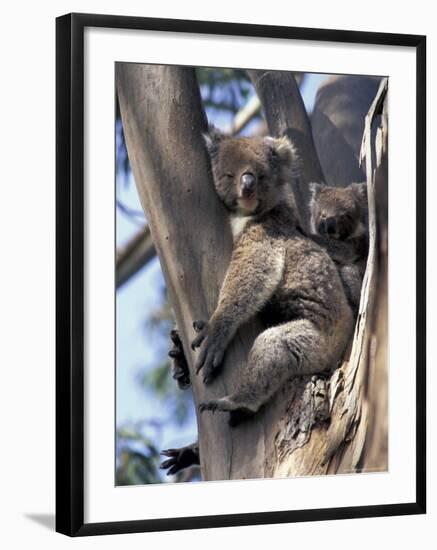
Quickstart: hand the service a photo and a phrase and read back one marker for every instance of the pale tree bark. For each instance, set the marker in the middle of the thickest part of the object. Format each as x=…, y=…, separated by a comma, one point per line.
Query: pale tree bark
x=296, y=433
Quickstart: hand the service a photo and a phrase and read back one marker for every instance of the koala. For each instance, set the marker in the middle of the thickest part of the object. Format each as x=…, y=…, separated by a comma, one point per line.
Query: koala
x=339, y=222
x=275, y=271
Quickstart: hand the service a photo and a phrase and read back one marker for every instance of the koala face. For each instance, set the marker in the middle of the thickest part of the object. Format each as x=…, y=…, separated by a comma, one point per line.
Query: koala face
x=249, y=173
x=339, y=213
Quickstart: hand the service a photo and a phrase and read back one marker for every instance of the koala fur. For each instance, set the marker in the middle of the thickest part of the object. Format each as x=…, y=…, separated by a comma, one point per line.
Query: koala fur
x=339, y=222
x=275, y=271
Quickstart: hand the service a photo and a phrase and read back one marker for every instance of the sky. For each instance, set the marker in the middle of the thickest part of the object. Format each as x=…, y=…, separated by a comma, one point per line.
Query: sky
x=136, y=299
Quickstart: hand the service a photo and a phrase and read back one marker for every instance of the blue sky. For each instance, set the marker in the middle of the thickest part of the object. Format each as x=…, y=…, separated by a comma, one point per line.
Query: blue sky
x=136, y=349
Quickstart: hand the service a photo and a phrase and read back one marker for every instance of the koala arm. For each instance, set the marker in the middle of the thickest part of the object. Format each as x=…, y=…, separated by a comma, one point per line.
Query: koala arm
x=341, y=252
x=254, y=273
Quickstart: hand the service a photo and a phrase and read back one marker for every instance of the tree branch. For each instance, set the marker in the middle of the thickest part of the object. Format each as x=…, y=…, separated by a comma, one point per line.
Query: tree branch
x=337, y=122
x=131, y=257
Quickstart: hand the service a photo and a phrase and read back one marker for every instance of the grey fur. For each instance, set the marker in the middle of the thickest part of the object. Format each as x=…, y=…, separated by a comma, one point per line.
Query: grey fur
x=275, y=271
x=339, y=222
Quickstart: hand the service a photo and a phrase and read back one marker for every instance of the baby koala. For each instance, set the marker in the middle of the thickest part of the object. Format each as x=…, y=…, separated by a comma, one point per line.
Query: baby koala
x=339, y=223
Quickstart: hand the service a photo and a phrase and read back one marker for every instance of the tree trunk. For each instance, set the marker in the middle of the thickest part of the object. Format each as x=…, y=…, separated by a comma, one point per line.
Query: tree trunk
x=337, y=121
x=163, y=121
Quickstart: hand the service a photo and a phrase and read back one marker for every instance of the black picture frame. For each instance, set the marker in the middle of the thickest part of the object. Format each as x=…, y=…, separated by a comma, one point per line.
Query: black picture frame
x=70, y=273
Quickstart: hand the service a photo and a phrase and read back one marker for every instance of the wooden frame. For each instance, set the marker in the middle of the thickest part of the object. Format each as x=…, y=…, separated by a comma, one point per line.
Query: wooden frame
x=70, y=273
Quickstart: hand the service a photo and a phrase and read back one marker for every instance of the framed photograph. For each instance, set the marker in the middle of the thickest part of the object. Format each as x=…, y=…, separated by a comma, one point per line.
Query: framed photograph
x=240, y=274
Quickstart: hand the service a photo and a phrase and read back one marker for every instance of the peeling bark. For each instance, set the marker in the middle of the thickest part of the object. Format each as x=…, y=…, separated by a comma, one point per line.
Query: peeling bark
x=355, y=438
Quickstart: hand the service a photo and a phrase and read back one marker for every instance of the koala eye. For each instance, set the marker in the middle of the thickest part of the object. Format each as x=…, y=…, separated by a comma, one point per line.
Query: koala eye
x=229, y=176
x=261, y=177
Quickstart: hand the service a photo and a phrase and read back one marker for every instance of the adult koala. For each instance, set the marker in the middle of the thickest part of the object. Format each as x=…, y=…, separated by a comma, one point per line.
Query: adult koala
x=275, y=271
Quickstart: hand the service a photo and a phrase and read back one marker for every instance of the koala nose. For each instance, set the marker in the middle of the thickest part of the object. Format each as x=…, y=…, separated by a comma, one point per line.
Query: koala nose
x=331, y=226
x=247, y=184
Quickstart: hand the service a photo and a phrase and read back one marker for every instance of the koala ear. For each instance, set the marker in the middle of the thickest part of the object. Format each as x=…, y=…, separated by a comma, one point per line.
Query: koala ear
x=360, y=190
x=315, y=189
x=281, y=147
x=286, y=152
x=212, y=138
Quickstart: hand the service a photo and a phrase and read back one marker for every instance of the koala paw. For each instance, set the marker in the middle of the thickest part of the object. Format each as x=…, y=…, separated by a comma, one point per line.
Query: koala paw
x=238, y=413
x=223, y=404
x=201, y=328
x=212, y=349
x=210, y=358
x=179, y=362
x=179, y=459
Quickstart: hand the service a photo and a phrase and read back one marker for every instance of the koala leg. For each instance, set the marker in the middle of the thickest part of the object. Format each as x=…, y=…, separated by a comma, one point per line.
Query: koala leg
x=278, y=354
x=352, y=278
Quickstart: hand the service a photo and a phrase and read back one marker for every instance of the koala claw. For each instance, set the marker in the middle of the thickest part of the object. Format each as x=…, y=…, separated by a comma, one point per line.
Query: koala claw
x=179, y=364
x=209, y=360
x=207, y=379
x=179, y=459
x=199, y=325
x=198, y=341
x=222, y=404
x=208, y=406
x=201, y=328
x=172, y=463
